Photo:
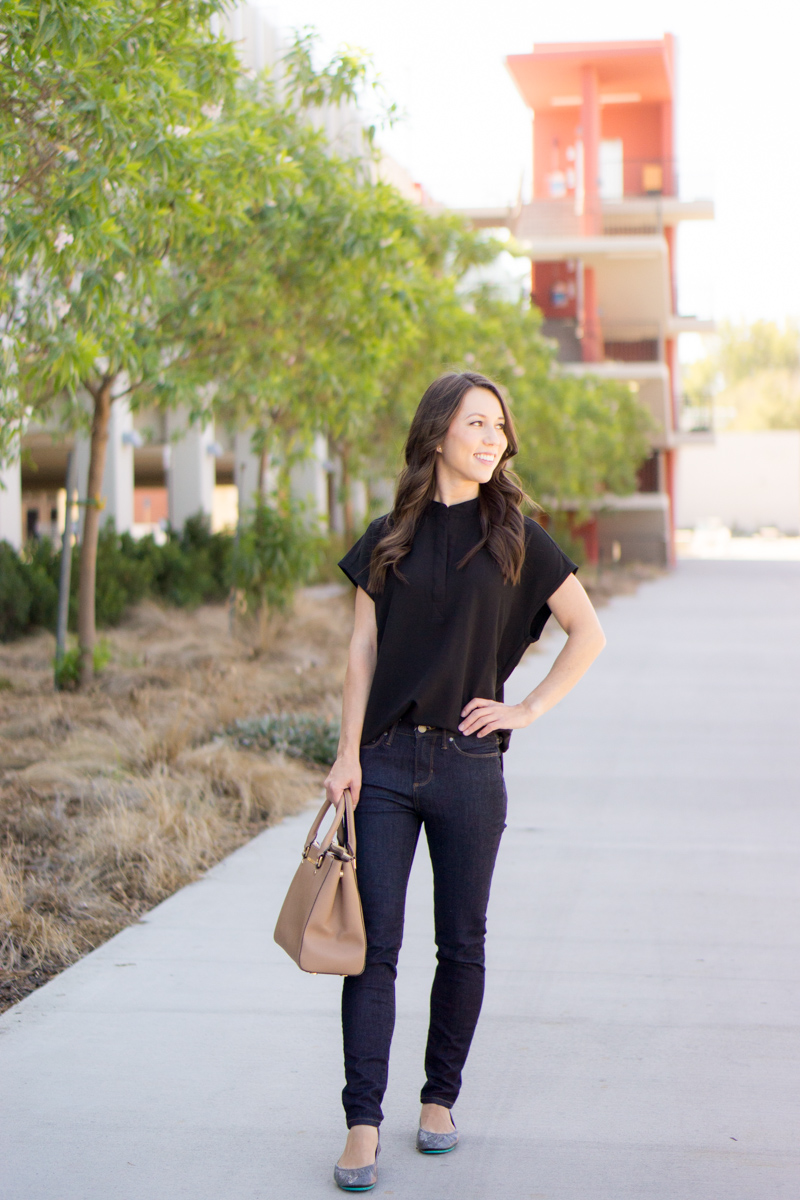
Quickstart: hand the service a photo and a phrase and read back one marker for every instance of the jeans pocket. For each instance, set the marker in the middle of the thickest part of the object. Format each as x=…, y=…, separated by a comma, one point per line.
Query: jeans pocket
x=471, y=746
x=377, y=742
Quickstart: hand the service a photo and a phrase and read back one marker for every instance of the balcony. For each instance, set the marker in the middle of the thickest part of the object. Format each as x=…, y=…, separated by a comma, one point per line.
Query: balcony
x=639, y=197
x=553, y=245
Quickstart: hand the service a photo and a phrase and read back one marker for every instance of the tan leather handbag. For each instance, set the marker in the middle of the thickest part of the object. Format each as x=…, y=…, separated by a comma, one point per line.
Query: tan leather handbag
x=321, y=925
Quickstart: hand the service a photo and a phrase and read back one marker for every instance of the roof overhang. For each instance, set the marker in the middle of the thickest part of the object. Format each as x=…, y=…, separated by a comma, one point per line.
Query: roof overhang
x=627, y=72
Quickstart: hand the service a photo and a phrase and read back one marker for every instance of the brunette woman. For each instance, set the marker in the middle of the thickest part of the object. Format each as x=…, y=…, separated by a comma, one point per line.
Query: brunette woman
x=453, y=586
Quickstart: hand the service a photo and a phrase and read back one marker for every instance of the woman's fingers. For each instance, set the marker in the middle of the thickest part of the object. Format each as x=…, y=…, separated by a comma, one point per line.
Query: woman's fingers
x=480, y=717
x=487, y=716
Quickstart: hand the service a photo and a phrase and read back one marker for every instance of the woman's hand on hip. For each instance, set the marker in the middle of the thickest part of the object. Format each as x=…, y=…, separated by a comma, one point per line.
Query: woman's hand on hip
x=345, y=773
x=486, y=716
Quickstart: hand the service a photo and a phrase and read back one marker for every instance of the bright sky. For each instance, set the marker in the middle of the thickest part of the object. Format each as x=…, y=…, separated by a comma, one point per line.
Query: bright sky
x=466, y=134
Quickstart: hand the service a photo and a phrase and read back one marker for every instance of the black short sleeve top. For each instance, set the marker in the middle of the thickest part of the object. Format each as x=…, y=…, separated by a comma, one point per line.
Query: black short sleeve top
x=447, y=635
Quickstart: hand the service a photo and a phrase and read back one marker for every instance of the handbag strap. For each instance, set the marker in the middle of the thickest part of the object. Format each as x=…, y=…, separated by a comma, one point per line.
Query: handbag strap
x=349, y=829
x=343, y=825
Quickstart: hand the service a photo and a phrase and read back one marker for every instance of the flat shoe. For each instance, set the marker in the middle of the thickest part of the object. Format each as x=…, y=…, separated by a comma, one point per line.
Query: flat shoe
x=436, y=1143
x=358, y=1179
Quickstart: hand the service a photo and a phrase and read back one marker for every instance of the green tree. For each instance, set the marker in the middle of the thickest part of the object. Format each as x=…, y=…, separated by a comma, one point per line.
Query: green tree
x=130, y=157
x=751, y=375
x=744, y=349
x=107, y=157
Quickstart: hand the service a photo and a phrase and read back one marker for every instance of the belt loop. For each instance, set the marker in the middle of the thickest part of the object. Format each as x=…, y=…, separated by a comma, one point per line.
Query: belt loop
x=444, y=739
x=392, y=730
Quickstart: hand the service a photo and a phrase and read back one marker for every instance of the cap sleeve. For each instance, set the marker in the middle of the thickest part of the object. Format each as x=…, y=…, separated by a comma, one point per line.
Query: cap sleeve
x=546, y=568
x=355, y=563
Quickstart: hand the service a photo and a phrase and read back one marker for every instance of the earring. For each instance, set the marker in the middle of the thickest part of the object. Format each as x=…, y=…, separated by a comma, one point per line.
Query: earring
x=438, y=449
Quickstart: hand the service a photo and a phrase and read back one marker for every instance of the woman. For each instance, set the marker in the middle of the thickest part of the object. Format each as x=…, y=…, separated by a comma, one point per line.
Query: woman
x=452, y=587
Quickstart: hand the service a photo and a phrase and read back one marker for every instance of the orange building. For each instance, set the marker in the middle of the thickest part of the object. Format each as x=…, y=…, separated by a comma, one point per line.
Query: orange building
x=600, y=232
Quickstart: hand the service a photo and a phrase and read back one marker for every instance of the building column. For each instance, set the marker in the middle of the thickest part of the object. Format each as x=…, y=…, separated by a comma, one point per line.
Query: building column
x=591, y=217
x=592, y=222
x=309, y=481
x=192, y=473
x=671, y=359
x=254, y=474
x=117, y=485
x=669, y=237
x=11, y=501
x=360, y=502
x=118, y=477
x=246, y=471
x=669, y=460
x=670, y=182
x=592, y=341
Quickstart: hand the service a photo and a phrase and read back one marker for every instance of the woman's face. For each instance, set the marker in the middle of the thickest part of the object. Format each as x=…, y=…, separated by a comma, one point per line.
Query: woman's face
x=475, y=441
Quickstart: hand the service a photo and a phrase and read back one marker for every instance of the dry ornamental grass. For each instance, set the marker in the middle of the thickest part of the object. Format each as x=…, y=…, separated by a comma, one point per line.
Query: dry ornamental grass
x=112, y=799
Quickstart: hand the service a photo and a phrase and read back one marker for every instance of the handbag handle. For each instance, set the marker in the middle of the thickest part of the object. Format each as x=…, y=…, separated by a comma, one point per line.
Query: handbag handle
x=343, y=817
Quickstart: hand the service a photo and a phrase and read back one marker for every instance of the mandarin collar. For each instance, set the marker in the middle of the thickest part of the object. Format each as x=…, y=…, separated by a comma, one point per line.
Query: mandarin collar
x=467, y=508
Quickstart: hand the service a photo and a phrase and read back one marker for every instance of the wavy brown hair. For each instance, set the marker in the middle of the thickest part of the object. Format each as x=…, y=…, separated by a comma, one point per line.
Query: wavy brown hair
x=502, y=523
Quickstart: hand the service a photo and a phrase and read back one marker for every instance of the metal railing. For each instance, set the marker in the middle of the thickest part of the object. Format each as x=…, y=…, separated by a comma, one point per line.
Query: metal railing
x=640, y=229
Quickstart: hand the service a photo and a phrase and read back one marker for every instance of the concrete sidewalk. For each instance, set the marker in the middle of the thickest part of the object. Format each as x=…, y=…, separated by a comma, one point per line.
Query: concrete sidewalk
x=640, y=1031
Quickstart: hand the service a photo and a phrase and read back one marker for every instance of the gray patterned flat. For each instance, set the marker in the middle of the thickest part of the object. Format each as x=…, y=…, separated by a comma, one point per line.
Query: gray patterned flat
x=358, y=1179
x=436, y=1143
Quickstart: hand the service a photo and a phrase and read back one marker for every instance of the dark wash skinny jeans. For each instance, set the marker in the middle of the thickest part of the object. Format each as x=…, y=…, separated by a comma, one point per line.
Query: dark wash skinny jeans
x=453, y=785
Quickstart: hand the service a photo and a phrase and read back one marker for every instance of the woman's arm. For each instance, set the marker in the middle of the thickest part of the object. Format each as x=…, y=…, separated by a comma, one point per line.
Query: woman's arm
x=346, y=771
x=573, y=610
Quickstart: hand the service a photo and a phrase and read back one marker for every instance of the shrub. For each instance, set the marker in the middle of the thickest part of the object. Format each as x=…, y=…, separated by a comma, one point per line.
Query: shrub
x=122, y=578
x=276, y=552
x=15, y=595
x=192, y=567
x=312, y=738
x=28, y=588
x=334, y=547
x=68, y=671
x=41, y=561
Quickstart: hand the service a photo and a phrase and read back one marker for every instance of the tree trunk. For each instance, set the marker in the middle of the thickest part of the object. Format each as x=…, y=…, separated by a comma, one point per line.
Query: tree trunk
x=91, y=528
